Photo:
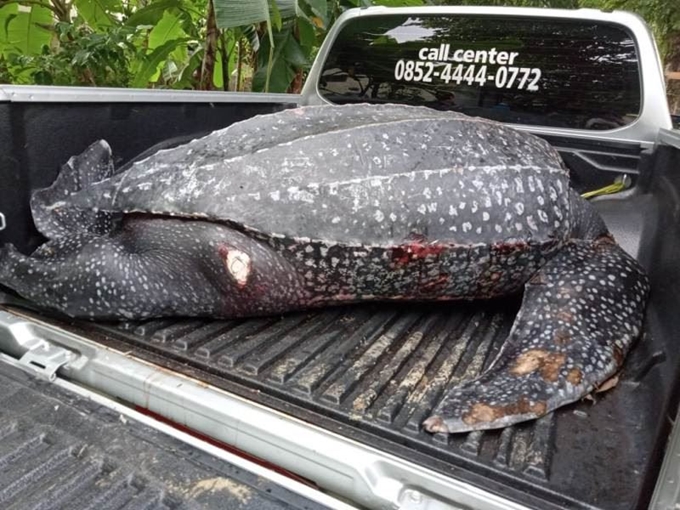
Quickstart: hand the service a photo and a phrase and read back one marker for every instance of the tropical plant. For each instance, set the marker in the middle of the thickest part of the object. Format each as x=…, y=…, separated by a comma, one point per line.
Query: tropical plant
x=664, y=18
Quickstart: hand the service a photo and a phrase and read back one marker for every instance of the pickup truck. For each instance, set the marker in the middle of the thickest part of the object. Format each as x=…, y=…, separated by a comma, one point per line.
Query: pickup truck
x=326, y=406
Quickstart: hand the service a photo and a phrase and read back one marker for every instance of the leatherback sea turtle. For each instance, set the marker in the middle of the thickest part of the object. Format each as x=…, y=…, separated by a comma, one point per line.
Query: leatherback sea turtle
x=324, y=205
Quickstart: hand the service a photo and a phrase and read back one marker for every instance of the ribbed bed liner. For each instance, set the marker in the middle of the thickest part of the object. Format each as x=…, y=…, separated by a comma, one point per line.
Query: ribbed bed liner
x=59, y=450
x=373, y=373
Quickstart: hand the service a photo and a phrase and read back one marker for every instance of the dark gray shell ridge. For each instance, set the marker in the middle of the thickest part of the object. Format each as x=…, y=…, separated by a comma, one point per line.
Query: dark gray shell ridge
x=373, y=183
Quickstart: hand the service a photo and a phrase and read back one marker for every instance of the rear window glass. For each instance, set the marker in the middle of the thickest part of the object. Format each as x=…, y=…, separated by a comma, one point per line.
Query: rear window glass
x=559, y=73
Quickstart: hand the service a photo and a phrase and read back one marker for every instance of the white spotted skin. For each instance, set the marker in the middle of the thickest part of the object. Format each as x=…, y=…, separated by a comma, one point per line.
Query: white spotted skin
x=415, y=269
x=156, y=268
x=333, y=165
x=579, y=317
x=326, y=205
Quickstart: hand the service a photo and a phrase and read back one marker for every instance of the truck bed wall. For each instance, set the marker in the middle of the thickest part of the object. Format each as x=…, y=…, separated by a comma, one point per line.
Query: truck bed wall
x=36, y=137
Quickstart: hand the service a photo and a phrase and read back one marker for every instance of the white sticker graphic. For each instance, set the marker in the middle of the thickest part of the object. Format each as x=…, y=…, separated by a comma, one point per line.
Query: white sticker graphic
x=460, y=65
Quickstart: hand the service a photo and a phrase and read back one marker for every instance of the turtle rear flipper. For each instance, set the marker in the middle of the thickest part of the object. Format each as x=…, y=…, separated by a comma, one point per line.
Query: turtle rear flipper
x=579, y=316
x=55, y=218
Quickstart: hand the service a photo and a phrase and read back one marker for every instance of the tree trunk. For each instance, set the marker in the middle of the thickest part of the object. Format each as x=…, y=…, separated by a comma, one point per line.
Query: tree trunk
x=211, y=37
x=673, y=65
x=239, y=64
x=62, y=10
x=226, y=56
x=295, y=86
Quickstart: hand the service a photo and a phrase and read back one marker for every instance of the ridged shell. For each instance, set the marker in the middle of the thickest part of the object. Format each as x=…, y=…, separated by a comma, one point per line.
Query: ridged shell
x=356, y=175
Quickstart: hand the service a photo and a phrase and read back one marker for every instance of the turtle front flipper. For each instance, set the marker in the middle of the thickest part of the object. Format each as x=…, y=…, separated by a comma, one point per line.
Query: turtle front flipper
x=53, y=216
x=151, y=268
x=579, y=316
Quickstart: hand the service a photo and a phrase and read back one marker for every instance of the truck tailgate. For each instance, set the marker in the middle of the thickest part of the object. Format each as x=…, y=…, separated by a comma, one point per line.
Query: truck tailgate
x=61, y=450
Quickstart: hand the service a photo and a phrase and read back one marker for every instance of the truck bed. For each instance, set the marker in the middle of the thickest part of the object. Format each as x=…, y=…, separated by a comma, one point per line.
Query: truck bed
x=372, y=373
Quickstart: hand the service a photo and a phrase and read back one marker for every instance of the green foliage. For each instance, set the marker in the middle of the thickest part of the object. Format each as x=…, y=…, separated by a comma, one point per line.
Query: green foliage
x=237, y=13
x=152, y=13
x=288, y=56
x=150, y=64
x=167, y=29
x=662, y=15
x=25, y=29
x=85, y=58
x=97, y=13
